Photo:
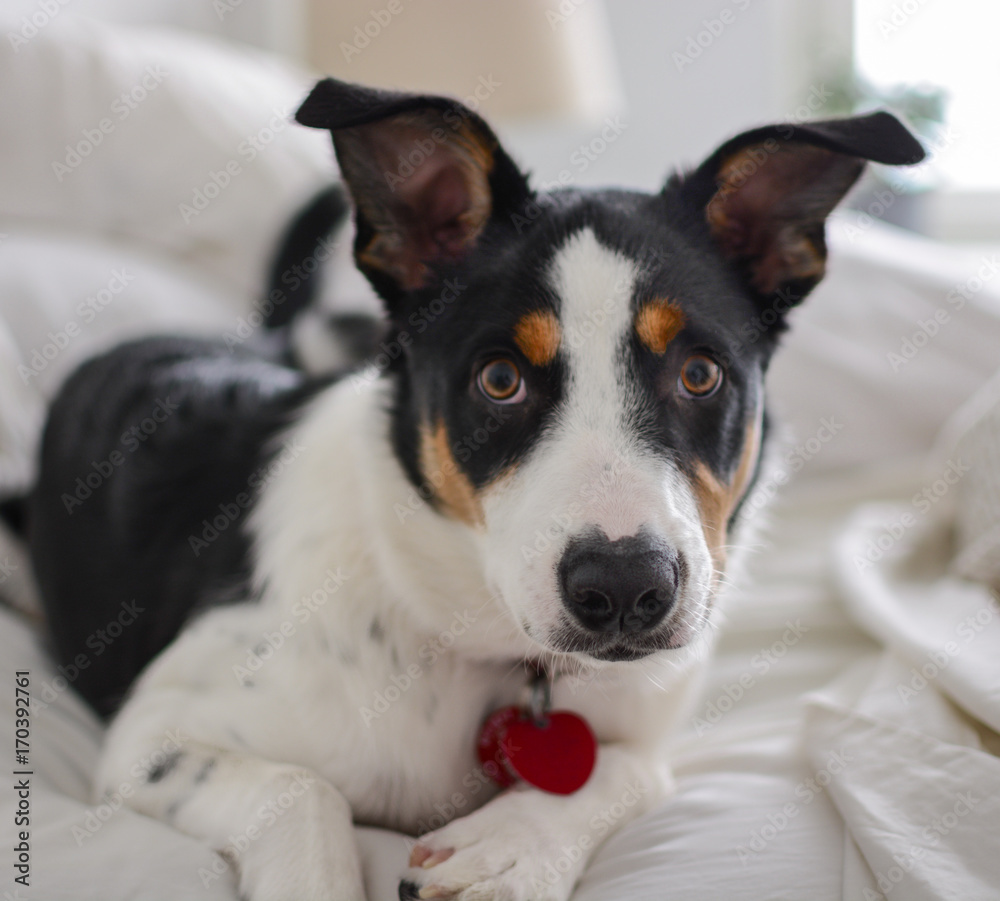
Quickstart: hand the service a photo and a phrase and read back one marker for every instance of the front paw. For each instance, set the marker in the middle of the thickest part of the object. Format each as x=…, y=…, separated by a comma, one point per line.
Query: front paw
x=517, y=848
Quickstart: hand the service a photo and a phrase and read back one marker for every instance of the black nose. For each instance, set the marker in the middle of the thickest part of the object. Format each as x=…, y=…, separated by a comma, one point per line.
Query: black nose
x=626, y=585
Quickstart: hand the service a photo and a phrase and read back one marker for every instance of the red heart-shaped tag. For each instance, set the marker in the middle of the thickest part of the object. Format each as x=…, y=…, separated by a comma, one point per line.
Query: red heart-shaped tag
x=557, y=756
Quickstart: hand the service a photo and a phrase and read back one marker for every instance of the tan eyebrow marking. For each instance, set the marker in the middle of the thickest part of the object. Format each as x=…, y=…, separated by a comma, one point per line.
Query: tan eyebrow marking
x=538, y=335
x=657, y=323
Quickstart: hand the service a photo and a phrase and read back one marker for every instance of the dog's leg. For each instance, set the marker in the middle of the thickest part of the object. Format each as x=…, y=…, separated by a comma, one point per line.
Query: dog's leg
x=287, y=831
x=527, y=845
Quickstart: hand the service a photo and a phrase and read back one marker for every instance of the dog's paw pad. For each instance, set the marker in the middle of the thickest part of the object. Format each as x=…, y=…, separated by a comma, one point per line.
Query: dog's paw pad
x=426, y=857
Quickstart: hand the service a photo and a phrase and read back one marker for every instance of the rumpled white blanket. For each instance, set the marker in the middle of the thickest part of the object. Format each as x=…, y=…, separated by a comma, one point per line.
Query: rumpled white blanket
x=918, y=724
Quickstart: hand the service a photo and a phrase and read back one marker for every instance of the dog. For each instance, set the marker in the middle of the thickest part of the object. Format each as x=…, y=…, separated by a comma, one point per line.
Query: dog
x=526, y=502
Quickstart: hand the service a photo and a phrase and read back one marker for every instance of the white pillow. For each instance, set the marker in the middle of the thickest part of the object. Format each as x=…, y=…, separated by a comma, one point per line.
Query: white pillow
x=63, y=300
x=180, y=142
x=859, y=357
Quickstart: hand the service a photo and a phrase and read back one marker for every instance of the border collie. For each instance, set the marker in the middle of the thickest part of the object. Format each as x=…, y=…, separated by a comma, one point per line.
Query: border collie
x=465, y=592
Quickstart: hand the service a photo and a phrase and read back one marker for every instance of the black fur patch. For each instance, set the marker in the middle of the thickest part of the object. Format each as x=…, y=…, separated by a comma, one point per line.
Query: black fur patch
x=409, y=891
x=151, y=458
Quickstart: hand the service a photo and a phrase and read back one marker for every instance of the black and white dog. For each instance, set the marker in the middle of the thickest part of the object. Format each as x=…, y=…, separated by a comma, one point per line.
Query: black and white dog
x=340, y=580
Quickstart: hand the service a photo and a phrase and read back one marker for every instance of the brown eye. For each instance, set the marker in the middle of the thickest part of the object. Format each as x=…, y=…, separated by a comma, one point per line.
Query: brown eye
x=700, y=376
x=500, y=380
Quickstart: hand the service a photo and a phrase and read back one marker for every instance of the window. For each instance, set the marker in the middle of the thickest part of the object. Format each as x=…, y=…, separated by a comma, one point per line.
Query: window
x=951, y=46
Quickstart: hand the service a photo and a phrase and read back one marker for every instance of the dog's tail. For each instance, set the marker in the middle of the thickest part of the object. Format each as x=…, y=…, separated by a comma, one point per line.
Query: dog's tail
x=294, y=276
x=303, y=333
x=14, y=514
x=17, y=584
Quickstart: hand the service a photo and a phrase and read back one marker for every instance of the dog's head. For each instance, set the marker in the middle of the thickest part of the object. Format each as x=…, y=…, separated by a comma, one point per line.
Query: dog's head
x=580, y=373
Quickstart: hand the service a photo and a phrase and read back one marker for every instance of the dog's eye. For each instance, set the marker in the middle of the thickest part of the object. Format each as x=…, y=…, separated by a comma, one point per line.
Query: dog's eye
x=500, y=380
x=700, y=376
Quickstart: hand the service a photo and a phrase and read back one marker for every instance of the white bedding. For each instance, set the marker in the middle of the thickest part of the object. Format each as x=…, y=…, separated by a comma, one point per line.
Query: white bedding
x=818, y=767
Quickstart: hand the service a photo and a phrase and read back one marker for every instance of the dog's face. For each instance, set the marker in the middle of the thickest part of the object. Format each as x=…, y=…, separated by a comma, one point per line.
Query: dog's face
x=582, y=376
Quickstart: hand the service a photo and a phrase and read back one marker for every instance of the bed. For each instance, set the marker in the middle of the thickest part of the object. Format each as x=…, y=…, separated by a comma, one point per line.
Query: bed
x=846, y=743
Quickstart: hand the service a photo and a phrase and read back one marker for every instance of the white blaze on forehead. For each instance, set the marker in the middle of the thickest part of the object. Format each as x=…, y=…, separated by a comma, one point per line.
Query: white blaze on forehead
x=594, y=285
x=596, y=464
x=590, y=469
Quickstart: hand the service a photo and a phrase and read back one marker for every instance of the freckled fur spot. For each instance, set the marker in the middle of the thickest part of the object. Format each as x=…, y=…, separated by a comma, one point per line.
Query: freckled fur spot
x=658, y=323
x=453, y=489
x=716, y=500
x=160, y=770
x=538, y=335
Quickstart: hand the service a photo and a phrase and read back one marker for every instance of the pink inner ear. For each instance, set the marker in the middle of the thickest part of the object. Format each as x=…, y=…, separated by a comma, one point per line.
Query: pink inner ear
x=431, y=204
x=765, y=208
x=446, y=202
x=423, y=185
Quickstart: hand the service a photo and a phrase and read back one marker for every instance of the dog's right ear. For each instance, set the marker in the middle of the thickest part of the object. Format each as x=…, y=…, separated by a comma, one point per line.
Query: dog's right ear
x=426, y=174
x=766, y=194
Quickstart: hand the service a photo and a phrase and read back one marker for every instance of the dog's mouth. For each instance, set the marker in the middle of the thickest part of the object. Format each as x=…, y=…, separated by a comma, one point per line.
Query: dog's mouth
x=623, y=647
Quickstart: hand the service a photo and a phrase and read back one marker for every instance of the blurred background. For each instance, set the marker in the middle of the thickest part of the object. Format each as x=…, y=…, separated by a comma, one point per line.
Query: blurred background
x=662, y=82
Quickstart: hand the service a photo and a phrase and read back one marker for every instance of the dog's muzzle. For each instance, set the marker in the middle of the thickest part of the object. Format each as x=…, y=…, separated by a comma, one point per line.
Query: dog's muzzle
x=624, y=586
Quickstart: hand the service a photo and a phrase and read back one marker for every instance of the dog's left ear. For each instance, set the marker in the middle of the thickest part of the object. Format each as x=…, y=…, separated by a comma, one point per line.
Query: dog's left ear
x=426, y=174
x=766, y=194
